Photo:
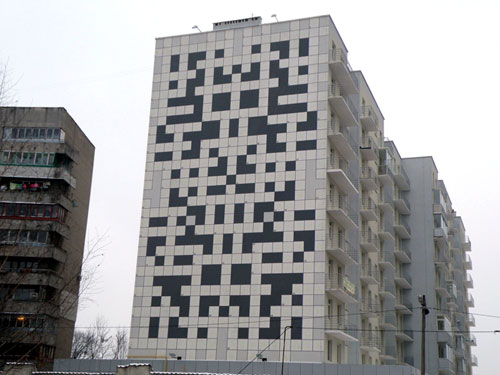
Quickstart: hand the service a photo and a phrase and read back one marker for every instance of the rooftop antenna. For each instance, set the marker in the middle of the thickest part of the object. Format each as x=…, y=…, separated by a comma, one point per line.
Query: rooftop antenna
x=275, y=17
x=197, y=28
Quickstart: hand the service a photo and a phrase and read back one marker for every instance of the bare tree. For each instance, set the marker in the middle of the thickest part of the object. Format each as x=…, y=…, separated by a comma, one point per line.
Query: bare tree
x=120, y=345
x=7, y=84
x=95, y=342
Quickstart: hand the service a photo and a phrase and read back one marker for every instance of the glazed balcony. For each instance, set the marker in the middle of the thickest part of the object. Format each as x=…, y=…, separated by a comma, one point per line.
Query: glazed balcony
x=338, y=209
x=342, y=141
x=340, y=287
x=38, y=172
x=343, y=106
x=33, y=251
x=473, y=360
x=342, y=71
x=30, y=276
x=471, y=340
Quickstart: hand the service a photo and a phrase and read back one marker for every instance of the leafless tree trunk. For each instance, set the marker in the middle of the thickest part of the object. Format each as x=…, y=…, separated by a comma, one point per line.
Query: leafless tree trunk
x=120, y=347
x=93, y=343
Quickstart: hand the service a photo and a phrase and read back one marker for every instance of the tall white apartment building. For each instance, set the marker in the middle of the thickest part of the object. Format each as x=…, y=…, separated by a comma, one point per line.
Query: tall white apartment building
x=271, y=200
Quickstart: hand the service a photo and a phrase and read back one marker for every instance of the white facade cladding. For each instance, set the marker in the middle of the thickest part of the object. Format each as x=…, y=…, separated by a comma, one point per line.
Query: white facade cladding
x=271, y=200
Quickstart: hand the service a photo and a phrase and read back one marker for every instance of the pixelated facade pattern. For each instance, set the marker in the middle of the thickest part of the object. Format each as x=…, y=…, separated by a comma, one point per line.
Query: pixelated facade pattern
x=230, y=239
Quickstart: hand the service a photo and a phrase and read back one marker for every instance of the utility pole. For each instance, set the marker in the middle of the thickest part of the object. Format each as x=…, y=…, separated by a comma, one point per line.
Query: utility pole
x=425, y=311
x=284, y=345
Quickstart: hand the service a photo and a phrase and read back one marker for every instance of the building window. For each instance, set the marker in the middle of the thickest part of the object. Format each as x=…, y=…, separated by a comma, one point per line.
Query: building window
x=34, y=134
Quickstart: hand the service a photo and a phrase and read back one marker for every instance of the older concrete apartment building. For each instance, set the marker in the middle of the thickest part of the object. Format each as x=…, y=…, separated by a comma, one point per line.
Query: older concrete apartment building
x=272, y=199
x=46, y=166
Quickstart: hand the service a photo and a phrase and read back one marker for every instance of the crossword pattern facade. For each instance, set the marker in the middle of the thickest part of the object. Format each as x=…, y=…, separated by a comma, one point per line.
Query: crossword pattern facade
x=271, y=200
x=231, y=236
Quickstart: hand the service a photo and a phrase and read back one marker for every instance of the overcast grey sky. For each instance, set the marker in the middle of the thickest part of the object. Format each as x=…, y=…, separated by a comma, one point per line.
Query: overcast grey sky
x=433, y=67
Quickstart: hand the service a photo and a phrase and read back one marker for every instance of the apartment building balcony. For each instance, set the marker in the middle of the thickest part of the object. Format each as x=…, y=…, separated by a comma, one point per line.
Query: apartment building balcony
x=402, y=203
x=342, y=71
x=29, y=276
x=401, y=228
x=368, y=209
x=402, y=280
x=340, y=287
x=385, y=231
x=368, y=178
x=370, y=342
x=403, y=306
x=385, y=174
x=387, y=320
x=338, y=209
x=442, y=287
x=471, y=340
x=388, y=353
x=387, y=289
x=468, y=262
x=385, y=203
x=368, y=148
x=469, y=301
x=368, y=118
x=468, y=282
x=343, y=106
x=33, y=251
x=341, y=250
x=369, y=307
x=446, y=366
x=401, y=178
x=41, y=225
x=338, y=327
x=452, y=302
x=442, y=259
x=386, y=260
x=466, y=244
x=369, y=241
x=369, y=274
x=342, y=141
x=470, y=320
x=338, y=173
x=402, y=253
x=404, y=334
x=38, y=172
x=473, y=360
